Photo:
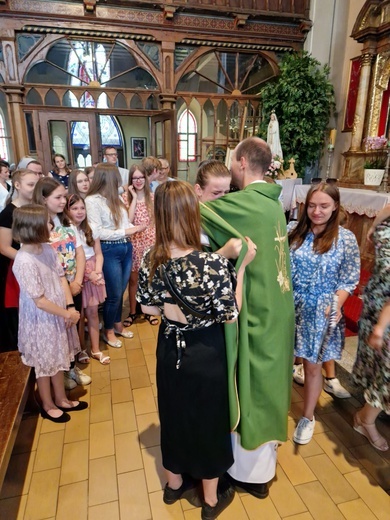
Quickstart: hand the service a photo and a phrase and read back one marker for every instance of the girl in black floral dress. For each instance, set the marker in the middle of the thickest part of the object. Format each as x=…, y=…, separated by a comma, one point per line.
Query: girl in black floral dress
x=191, y=356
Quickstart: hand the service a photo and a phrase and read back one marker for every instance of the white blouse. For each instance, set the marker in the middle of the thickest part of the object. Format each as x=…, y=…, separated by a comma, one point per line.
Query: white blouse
x=100, y=219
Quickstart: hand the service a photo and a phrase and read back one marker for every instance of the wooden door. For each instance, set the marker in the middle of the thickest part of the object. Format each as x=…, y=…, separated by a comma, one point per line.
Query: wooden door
x=164, y=137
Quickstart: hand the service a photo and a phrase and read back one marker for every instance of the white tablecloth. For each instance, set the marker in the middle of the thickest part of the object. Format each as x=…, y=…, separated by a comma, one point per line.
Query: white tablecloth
x=362, y=202
x=288, y=186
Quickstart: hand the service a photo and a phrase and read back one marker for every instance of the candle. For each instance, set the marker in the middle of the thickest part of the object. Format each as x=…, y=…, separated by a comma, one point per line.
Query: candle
x=332, y=136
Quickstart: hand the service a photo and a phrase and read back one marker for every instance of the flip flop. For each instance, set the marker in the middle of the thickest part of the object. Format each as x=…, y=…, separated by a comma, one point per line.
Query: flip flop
x=104, y=360
x=151, y=319
x=83, y=357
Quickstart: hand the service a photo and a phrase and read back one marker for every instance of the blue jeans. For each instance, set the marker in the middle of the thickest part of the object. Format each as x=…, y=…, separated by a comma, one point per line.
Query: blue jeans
x=116, y=270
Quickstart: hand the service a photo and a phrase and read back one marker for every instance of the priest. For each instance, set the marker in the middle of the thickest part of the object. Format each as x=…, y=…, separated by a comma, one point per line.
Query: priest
x=260, y=355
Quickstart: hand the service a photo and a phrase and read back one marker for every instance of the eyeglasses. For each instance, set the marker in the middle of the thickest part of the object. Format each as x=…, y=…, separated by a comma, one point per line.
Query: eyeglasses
x=138, y=179
x=318, y=180
x=112, y=154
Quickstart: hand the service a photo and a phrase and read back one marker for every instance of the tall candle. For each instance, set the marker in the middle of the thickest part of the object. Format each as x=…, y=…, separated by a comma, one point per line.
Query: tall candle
x=332, y=136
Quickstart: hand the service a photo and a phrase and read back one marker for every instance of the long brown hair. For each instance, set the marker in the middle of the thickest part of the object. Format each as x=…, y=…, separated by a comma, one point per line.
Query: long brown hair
x=84, y=226
x=148, y=198
x=72, y=183
x=105, y=182
x=177, y=214
x=55, y=168
x=324, y=240
x=45, y=187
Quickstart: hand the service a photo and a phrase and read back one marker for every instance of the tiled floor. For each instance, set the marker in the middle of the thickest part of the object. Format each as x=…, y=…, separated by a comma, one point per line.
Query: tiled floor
x=105, y=463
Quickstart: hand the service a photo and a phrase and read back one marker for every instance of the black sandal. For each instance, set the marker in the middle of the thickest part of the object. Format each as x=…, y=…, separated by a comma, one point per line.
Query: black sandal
x=128, y=322
x=151, y=319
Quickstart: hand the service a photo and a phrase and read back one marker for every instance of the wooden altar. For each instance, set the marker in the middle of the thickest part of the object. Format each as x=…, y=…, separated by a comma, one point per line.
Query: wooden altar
x=362, y=206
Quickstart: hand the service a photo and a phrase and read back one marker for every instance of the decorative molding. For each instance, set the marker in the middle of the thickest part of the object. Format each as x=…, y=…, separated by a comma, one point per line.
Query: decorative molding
x=246, y=46
x=366, y=59
x=381, y=76
x=49, y=8
x=87, y=33
x=169, y=11
x=90, y=5
x=240, y=19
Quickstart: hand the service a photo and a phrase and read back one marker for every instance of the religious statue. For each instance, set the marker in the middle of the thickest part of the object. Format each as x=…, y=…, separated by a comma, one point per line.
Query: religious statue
x=273, y=138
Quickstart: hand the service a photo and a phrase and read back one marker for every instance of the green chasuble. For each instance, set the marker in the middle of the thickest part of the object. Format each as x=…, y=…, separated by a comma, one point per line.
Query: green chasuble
x=260, y=363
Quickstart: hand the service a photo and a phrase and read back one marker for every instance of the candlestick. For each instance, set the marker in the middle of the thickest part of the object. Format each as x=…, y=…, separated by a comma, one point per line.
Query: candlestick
x=332, y=136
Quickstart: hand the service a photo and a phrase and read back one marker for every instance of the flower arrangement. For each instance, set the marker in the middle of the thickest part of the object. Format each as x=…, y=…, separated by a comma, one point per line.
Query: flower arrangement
x=275, y=167
x=375, y=147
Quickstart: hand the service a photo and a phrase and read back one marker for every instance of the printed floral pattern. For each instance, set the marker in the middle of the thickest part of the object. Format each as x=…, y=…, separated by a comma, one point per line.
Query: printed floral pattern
x=145, y=239
x=316, y=277
x=372, y=368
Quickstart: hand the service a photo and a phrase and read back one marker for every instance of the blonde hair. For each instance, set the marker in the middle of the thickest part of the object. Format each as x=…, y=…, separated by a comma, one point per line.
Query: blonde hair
x=212, y=168
x=17, y=176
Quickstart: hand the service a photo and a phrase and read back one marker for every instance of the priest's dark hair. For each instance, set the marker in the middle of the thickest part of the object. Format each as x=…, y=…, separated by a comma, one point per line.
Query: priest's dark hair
x=257, y=153
x=324, y=240
x=177, y=217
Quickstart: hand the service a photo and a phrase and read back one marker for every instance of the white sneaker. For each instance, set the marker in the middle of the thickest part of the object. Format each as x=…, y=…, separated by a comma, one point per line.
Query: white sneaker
x=299, y=374
x=333, y=386
x=79, y=377
x=304, y=430
x=69, y=384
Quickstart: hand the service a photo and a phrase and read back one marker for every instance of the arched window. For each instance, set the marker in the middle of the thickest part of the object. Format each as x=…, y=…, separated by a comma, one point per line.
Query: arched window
x=3, y=139
x=187, y=131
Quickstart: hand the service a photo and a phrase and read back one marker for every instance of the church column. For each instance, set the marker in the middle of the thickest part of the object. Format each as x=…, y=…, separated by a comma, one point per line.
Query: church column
x=361, y=102
x=15, y=98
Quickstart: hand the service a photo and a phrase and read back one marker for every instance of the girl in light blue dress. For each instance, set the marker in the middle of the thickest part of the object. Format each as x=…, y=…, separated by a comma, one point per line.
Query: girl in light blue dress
x=325, y=261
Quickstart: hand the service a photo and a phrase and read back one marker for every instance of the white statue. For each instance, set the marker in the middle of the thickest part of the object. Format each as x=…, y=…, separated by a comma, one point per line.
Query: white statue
x=273, y=138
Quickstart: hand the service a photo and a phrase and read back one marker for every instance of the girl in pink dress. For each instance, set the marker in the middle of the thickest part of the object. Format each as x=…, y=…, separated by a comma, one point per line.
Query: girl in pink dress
x=140, y=212
x=47, y=316
x=94, y=287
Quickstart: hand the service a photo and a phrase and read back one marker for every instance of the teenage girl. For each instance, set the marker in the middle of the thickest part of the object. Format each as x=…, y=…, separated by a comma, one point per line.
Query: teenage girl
x=47, y=317
x=66, y=242
x=79, y=183
x=23, y=183
x=94, y=289
x=110, y=223
x=140, y=212
x=4, y=186
x=60, y=170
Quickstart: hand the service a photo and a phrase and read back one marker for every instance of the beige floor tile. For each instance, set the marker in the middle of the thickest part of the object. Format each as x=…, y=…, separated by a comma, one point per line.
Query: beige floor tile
x=163, y=511
x=149, y=429
x=101, y=442
x=49, y=452
x=18, y=477
x=293, y=464
x=331, y=478
x=101, y=383
x=139, y=377
x=154, y=390
x=109, y=511
x=73, y=501
x=356, y=510
x=134, y=344
x=144, y=401
x=97, y=367
x=50, y=426
x=102, y=481
x=283, y=495
x=135, y=358
x=124, y=417
x=309, y=450
x=121, y=390
x=318, y=502
x=133, y=496
x=374, y=464
x=75, y=462
x=341, y=457
x=145, y=331
x=13, y=508
x=149, y=347
x=235, y=510
x=301, y=516
x=375, y=497
x=127, y=452
x=101, y=408
x=256, y=508
x=151, y=363
x=77, y=429
x=118, y=369
x=154, y=471
x=43, y=484
x=118, y=353
x=28, y=435
x=343, y=430
x=296, y=397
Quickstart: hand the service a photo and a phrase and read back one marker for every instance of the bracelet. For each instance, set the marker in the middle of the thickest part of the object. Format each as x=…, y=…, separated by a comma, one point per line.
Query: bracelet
x=71, y=305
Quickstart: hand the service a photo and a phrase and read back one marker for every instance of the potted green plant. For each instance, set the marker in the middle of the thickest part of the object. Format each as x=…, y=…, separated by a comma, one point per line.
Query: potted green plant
x=374, y=166
x=303, y=99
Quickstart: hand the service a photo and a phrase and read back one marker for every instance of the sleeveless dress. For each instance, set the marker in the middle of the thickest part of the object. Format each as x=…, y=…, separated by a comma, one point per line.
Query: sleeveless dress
x=145, y=239
x=191, y=364
x=372, y=368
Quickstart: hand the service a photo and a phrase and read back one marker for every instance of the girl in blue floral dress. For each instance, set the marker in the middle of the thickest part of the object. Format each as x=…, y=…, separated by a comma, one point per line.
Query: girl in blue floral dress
x=325, y=261
x=372, y=365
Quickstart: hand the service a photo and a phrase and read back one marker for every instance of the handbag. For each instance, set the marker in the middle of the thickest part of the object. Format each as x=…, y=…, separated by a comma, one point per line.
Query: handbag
x=184, y=306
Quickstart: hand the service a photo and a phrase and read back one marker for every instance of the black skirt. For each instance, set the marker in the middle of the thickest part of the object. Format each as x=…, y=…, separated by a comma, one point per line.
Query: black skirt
x=193, y=403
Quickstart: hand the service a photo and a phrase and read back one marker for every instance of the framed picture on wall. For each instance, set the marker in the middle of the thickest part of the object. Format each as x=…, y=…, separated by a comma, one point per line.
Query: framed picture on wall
x=138, y=147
